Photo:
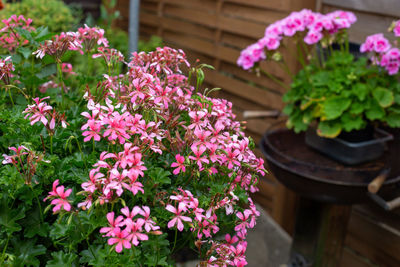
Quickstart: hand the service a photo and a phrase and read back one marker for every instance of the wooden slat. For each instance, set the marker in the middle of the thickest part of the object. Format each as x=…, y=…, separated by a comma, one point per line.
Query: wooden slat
x=350, y=258
x=245, y=90
x=192, y=15
x=270, y=4
x=254, y=14
x=374, y=240
x=177, y=25
x=385, y=7
x=208, y=5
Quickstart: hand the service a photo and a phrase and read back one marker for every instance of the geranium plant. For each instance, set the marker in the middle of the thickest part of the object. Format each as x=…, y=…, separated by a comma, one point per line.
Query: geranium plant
x=117, y=169
x=333, y=90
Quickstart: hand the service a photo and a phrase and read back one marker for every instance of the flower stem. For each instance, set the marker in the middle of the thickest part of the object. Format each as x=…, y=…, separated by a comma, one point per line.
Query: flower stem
x=273, y=78
x=38, y=202
x=9, y=93
x=61, y=81
x=51, y=144
x=4, y=249
x=176, y=234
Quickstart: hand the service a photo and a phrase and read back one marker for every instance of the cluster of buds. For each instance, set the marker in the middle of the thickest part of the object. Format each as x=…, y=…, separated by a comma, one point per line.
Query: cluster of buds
x=111, y=56
x=58, y=46
x=25, y=161
x=42, y=112
x=9, y=38
x=89, y=37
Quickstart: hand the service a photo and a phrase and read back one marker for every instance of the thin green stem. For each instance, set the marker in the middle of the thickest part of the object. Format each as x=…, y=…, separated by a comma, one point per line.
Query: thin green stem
x=176, y=234
x=61, y=81
x=4, y=249
x=80, y=150
x=273, y=78
x=51, y=144
x=94, y=144
x=9, y=93
x=38, y=202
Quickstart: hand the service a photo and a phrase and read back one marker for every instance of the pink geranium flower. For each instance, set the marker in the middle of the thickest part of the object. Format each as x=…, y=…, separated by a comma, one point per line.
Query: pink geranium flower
x=179, y=217
x=179, y=164
x=59, y=197
x=121, y=238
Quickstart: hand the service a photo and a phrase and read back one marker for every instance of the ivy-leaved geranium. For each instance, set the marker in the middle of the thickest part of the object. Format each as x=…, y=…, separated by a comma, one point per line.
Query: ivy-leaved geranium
x=135, y=166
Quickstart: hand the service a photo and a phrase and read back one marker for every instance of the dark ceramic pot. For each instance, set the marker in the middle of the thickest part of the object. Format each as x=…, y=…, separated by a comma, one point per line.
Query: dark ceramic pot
x=350, y=148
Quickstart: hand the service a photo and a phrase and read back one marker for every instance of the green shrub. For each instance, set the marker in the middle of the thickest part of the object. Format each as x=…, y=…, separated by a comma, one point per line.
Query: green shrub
x=54, y=14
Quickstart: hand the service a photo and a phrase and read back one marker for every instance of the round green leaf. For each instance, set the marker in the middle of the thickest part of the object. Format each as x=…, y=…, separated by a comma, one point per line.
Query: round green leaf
x=384, y=97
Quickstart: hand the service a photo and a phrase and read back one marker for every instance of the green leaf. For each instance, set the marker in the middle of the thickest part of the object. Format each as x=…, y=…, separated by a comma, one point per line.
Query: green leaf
x=334, y=106
x=26, y=34
x=34, y=226
x=160, y=175
x=8, y=216
x=360, y=90
x=47, y=71
x=384, y=97
x=61, y=259
x=375, y=111
x=393, y=120
x=357, y=108
x=350, y=122
x=25, y=51
x=26, y=252
x=329, y=129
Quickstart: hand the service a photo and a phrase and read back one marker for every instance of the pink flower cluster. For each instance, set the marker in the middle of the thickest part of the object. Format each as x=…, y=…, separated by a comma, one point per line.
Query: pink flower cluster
x=383, y=53
x=14, y=159
x=122, y=174
x=9, y=38
x=111, y=56
x=135, y=228
x=140, y=114
x=85, y=38
x=59, y=197
x=396, y=28
x=315, y=25
x=89, y=37
x=25, y=161
x=42, y=112
x=226, y=252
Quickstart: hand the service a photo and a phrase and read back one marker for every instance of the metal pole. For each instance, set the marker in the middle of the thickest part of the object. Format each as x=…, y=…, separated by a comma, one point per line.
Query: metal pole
x=133, y=25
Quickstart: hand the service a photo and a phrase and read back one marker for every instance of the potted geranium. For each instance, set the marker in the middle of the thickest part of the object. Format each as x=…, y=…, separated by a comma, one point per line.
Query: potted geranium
x=136, y=166
x=342, y=98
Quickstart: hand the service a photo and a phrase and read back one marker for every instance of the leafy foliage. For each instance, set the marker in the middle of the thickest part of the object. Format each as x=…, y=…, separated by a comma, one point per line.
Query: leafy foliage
x=344, y=95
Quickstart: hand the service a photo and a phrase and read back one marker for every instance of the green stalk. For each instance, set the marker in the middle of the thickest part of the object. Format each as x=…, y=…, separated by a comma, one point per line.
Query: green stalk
x=5, y=247
x=61, y=81
x=176, y=234
x=51, y=144
x=38, y=202
x=9, y=93
x=273, y=78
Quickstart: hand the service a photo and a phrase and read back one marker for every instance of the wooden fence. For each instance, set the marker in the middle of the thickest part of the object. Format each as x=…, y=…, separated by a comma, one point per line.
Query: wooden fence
x=215, y=31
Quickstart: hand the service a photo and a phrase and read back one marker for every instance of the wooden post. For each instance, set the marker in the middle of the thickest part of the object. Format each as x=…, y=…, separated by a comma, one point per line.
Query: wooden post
x=320, y=232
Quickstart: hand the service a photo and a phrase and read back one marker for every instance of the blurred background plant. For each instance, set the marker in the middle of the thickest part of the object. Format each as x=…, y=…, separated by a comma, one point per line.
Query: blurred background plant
x=118, y=38
x=54, y=14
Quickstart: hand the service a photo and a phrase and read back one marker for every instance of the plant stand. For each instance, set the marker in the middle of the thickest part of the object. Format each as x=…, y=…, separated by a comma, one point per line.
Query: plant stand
x=319, y=235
